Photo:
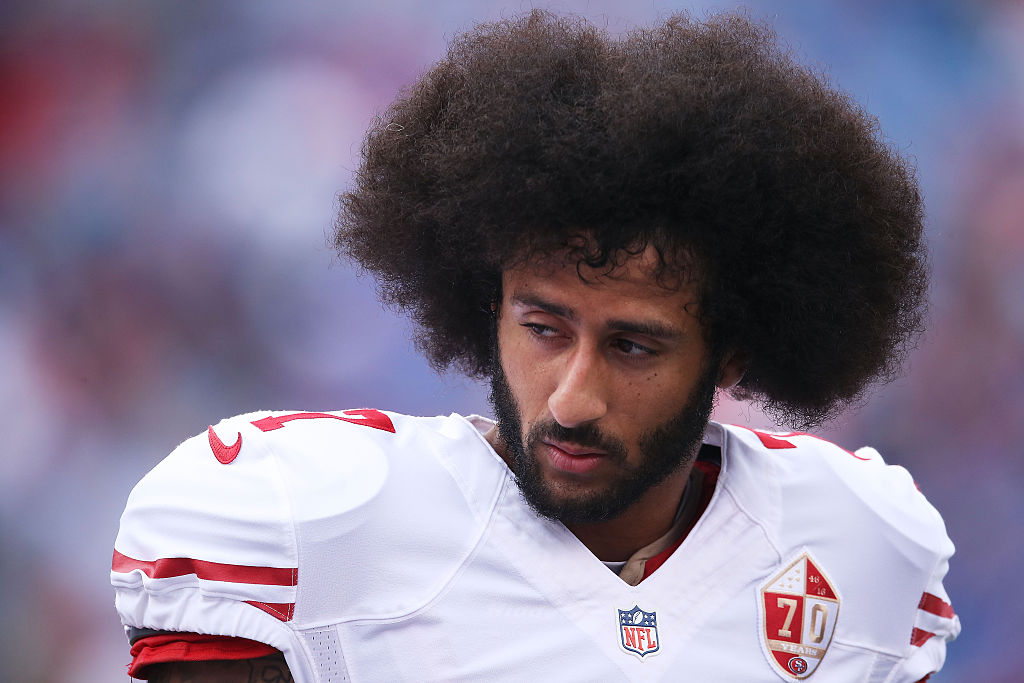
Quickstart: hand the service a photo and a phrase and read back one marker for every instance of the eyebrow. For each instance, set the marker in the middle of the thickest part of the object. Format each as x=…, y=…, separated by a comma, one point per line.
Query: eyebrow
x=649, y=328
x=546, y=306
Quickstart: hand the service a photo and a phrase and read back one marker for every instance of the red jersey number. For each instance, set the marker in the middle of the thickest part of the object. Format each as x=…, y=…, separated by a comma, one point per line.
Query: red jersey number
x=362, y=416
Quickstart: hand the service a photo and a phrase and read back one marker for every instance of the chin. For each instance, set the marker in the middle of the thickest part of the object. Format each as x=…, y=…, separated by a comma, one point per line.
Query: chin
x=569, y=504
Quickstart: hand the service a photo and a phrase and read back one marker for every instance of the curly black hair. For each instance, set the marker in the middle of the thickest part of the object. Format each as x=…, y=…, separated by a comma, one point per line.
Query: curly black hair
x=705, y=140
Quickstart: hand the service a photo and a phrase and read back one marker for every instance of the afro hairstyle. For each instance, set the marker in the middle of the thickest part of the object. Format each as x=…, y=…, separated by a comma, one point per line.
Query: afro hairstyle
x=773, y=190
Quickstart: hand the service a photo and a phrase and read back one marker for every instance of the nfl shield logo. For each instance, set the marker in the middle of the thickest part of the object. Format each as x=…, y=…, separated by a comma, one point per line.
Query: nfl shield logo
x=799, y=607
x=638, y=631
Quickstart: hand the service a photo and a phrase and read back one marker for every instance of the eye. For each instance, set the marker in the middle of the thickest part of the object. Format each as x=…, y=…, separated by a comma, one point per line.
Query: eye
x=538, y=330
x=632, y=349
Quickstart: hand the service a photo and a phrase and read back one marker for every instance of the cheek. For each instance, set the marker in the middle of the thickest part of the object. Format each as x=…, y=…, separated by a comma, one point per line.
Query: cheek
x=527, y=377
x=528, y=385
x=653, y=399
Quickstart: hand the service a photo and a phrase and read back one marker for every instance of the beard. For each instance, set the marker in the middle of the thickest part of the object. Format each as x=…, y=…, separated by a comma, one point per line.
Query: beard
x=663, y=450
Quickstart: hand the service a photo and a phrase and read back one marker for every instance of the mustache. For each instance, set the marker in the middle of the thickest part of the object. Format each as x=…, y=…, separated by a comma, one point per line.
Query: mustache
x=586, y=435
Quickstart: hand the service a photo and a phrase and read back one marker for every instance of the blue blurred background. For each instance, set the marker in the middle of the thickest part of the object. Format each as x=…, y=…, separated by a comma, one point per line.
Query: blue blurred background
x=168, y=180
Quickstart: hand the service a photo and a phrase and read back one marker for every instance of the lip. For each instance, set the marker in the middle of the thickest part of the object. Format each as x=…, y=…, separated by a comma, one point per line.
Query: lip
x=572, y=459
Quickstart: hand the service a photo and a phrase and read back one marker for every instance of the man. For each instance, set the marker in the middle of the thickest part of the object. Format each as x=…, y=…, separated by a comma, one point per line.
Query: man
x=608, y=230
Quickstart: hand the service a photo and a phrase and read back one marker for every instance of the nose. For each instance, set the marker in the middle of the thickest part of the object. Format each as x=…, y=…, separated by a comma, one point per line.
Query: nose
x=580, y=396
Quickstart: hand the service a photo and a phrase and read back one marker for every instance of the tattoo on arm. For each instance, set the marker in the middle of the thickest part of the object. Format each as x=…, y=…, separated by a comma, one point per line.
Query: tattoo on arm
x=271, y=669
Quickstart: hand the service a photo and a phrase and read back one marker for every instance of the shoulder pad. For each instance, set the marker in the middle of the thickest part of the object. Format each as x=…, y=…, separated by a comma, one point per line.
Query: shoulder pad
x=263, y=504
x=820, y=479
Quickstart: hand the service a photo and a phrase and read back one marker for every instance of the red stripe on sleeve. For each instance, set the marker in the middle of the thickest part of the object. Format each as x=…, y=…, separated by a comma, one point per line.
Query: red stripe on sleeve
x=919, y=637
x=279, y=610
x=213, y=571
x=191, y=647
x=936, y=605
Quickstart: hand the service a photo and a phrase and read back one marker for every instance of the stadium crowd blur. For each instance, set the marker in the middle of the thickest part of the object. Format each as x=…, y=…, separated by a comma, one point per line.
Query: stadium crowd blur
x=167, y=175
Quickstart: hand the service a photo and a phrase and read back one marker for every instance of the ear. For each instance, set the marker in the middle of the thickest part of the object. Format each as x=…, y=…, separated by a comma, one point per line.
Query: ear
x=734, y=365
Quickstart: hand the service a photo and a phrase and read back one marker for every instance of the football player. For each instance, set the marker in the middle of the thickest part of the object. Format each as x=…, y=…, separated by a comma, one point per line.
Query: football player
x=608, y=230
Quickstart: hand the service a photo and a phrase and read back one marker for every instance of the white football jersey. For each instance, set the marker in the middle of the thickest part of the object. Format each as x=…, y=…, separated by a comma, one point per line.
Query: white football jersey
x=372, y=546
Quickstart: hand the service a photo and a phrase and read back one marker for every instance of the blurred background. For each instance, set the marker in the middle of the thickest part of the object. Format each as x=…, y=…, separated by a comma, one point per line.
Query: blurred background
x=167, y=183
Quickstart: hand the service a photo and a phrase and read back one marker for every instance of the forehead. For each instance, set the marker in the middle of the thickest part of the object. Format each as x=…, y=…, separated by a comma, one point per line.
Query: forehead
x=628, y=277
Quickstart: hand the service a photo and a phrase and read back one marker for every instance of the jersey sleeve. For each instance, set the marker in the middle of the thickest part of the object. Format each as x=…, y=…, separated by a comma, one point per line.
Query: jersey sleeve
x=206, y=543
x=870, y=527
x=917, y=522
x=935, y=625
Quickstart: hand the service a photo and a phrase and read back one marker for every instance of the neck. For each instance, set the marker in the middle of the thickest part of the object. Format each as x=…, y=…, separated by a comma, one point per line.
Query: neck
x=643, y=522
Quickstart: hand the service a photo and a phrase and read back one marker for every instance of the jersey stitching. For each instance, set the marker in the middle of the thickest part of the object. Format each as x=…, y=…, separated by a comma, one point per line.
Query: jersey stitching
x=278, y=484
x=297, y=644
x=723, y=480
x=480, y=437
x=485, y=529
x=907, y=650
x=910, y=649
x=460, y=481
x=484, y=533
x=163, y=587
x=867, y=648
x=283, y=616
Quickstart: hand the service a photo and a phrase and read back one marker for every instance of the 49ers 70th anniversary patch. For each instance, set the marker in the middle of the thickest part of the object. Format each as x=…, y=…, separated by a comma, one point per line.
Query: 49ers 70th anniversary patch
x=798, y=607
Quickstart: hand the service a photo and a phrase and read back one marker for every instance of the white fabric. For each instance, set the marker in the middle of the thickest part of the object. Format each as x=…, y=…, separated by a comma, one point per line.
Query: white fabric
x=417, y=559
